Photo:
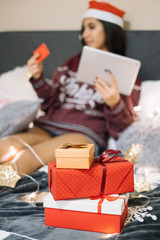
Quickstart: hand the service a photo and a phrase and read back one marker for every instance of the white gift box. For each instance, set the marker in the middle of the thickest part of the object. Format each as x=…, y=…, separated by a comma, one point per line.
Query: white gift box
x=106, y=214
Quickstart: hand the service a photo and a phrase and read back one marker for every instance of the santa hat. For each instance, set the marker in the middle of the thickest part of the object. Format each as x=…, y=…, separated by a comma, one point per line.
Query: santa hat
x=105, y=11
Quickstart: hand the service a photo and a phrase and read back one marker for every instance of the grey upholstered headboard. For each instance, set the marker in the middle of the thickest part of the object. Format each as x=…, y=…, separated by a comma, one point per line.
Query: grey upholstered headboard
x=17, y=47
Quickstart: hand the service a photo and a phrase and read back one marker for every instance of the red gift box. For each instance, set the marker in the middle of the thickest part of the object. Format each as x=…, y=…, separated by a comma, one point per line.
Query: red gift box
x=106, y=176
x=106, y=215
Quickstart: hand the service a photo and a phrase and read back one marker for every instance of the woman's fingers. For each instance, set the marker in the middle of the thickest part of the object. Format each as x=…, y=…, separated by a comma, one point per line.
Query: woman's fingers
x=109, y=92
x=101, y=86
x=113, y=80
x=35, y=68
x=33, y=60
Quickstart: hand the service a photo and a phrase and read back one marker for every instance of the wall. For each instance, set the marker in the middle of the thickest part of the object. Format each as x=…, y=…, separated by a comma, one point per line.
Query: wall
x=21, y=15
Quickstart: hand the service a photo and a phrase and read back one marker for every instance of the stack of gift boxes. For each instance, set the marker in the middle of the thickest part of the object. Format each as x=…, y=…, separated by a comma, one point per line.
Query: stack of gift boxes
x=86, y=193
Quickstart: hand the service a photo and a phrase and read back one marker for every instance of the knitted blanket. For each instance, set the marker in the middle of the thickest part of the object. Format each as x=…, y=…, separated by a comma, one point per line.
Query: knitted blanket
x=20, y=219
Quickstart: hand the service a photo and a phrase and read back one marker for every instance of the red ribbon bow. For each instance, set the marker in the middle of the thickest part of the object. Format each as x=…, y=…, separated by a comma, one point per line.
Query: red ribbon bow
x=104, y=158
x=108, y=198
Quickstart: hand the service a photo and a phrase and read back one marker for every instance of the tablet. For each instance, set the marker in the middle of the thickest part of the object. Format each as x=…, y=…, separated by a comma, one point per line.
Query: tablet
x=97, y=63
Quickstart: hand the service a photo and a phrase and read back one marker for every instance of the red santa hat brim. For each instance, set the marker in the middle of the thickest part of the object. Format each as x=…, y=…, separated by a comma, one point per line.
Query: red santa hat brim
x=106, y=12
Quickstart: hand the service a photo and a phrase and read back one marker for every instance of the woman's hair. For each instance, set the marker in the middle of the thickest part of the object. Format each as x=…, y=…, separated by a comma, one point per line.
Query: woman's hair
x=115, y=37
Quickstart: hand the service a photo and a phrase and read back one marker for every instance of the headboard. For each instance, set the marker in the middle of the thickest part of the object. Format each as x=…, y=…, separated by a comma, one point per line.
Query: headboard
x=17, y=47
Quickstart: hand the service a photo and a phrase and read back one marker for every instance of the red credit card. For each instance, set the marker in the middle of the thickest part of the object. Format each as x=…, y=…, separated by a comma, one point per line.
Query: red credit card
x=43, y=50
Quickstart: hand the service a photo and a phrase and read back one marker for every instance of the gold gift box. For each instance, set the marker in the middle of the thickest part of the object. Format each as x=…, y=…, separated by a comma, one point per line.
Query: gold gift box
x=79, y=156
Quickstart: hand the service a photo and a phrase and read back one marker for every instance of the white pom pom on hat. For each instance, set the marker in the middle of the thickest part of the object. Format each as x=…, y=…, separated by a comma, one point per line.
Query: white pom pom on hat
x=105, y=12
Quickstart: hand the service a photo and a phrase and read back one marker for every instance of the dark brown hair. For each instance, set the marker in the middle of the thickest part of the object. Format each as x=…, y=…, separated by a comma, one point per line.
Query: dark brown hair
x=115, y=37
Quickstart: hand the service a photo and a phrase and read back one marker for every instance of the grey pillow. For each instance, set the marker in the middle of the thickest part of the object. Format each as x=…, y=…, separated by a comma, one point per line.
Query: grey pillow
x=145, y=133
x=16, y=116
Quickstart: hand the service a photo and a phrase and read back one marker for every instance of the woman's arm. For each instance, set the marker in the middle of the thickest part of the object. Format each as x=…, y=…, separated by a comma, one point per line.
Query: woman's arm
x=47, y=91
x=119, y=109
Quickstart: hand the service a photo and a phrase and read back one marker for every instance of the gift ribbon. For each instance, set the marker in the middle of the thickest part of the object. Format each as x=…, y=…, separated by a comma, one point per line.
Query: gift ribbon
x=50, y=178
x=104, y=158
x=70, y=145
x=108, y=198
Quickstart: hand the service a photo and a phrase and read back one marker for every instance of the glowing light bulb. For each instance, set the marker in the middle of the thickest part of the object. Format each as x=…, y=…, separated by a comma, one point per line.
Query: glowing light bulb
x=146, y=172
x=137, y=108
x=12, y=151
x=31, y=125
x=10, y=155
x=106, y=236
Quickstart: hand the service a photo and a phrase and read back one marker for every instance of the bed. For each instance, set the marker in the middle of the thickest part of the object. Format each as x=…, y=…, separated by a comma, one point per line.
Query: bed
x=24, y=219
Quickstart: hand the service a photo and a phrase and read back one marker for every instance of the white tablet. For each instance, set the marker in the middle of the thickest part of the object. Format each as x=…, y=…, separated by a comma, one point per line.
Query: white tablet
x=95, y=62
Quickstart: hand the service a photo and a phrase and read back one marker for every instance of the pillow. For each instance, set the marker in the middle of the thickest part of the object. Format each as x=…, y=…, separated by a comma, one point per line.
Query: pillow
x=150, y=98
x=145, y=132
x=5, y=98
x=15, y=86
x=16, y=116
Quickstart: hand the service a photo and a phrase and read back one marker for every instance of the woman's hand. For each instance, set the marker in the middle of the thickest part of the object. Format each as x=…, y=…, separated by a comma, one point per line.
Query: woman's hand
x=109, y=92
x=35, y=68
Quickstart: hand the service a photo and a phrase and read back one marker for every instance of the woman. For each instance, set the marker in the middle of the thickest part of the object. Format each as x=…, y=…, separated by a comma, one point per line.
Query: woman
x=76, y=112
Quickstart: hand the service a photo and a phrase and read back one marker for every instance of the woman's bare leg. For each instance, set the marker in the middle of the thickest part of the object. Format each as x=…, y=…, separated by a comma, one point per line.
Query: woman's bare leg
x=31, y=136
x=27, y=161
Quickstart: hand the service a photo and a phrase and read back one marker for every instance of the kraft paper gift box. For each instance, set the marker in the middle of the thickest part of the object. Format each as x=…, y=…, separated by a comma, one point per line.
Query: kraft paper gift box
x=79, y=156
x=108, y=177
x=106, y=215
